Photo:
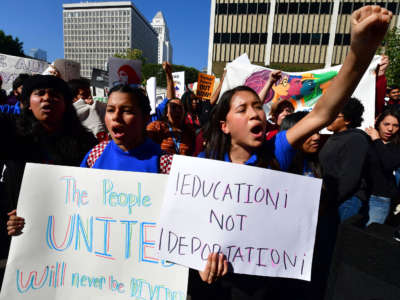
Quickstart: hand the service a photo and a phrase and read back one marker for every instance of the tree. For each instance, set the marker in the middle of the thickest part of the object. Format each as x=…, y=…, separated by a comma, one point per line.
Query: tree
x=391, y=47
x=156, y=70
x=134, y=54
x=9, y=45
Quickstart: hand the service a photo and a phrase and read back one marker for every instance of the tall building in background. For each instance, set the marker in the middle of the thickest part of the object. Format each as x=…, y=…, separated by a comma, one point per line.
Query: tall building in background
x=308, y=33
x=38, y=54
x=94, y=31
x=164, y=43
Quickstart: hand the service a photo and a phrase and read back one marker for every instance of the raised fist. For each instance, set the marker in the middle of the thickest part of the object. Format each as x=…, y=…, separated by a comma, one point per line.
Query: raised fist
x=369, y=26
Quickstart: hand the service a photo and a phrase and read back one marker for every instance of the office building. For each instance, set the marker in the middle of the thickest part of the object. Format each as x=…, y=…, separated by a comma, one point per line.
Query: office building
x=38, y=54
x=308, y=33
x=164, y=43
x=94, y=31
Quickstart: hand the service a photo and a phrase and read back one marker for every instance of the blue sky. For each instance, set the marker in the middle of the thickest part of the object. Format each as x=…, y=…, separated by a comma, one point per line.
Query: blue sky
x=38, y=24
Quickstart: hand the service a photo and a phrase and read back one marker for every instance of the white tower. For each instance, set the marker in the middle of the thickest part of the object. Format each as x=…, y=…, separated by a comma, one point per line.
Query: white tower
x=164, y=43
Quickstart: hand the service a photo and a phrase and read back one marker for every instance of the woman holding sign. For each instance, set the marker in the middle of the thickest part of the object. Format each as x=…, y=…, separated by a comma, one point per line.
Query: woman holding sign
x=237, y=131
x=47, y=131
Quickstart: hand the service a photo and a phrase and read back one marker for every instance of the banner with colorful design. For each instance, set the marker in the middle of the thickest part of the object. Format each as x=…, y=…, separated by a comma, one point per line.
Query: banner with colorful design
x=302, y=89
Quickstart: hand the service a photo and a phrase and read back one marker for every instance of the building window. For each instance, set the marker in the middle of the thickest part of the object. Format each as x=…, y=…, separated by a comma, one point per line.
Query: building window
x=235, y=38
x=232, y=8
x=315, y=39
x=255, y=38
x=244, y=38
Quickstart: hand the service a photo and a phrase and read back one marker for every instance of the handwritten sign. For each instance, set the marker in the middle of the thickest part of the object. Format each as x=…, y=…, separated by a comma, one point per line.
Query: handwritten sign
x=179, y=83
x=264, y=221
x=11, y=66
x=205, y=86
x=90, y=234
x=68, y=69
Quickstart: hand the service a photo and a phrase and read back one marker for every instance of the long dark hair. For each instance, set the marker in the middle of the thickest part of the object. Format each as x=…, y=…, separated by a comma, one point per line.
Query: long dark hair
x=73, y=140
x=187, y=102
x=219, y=143
x=390, y=111
x=164, y=116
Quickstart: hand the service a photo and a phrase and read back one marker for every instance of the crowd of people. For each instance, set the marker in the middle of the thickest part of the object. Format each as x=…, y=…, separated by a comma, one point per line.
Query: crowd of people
x=47, y=120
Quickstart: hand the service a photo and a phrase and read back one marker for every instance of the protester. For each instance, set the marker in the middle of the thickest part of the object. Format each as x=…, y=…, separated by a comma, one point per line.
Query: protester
x=192, y=107
x=206, y=108
x=394, y=95
x=381, y=84
x=128, y=111
x=160, y=109
x=279, y=110
x=237, y=129
x=172, y=133
x=305, y=162
x=383, y=159
x=343, y=160
x=3, y=94
x=90, y=113
x=15, y=95
x=207, y=105
x=47, y=131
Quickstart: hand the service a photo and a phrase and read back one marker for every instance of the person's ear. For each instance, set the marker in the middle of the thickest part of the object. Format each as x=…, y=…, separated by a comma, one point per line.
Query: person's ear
x=224, y=127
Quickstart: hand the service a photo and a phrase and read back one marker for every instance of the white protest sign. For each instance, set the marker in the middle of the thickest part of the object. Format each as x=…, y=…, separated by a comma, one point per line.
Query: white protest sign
x=302, y=89
x=124, y=71
x=89, y=234
x=179, y=83
x=151, y=86
x=68, y=69
x=264, y=221
x=12, y=66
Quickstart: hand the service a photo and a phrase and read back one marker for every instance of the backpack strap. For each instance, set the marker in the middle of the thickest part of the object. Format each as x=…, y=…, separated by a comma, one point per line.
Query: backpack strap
x=95, y=153
x=165, y=163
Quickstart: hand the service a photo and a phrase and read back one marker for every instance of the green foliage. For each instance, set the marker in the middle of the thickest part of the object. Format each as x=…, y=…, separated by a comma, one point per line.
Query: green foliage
x=134, y=54
x=391, y=47
x=156, y=70
x=9, y=45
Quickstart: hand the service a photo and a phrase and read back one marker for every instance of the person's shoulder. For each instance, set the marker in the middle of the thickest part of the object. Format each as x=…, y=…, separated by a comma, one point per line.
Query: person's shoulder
x=157, y=125
x=358, y=135
x=151, y=147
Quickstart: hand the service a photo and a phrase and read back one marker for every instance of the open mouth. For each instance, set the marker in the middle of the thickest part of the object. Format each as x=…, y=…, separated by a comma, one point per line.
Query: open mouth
x=257, y=131
x=118, y=132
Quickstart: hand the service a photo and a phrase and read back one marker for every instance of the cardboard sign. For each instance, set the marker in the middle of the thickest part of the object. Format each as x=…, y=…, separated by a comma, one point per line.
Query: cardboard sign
x=124, y=71
x=205, y=86
x=11, y=66
x=302, y=89
x=68, y=69
x=179, y=83
x=151, y=86
x=89, y=234
x=264, y=221
x=99, y=78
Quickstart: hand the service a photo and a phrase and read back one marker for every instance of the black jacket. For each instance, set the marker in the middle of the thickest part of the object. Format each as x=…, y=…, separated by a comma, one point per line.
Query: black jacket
x=383, y=159
x=343, y=161
x=19, y=145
